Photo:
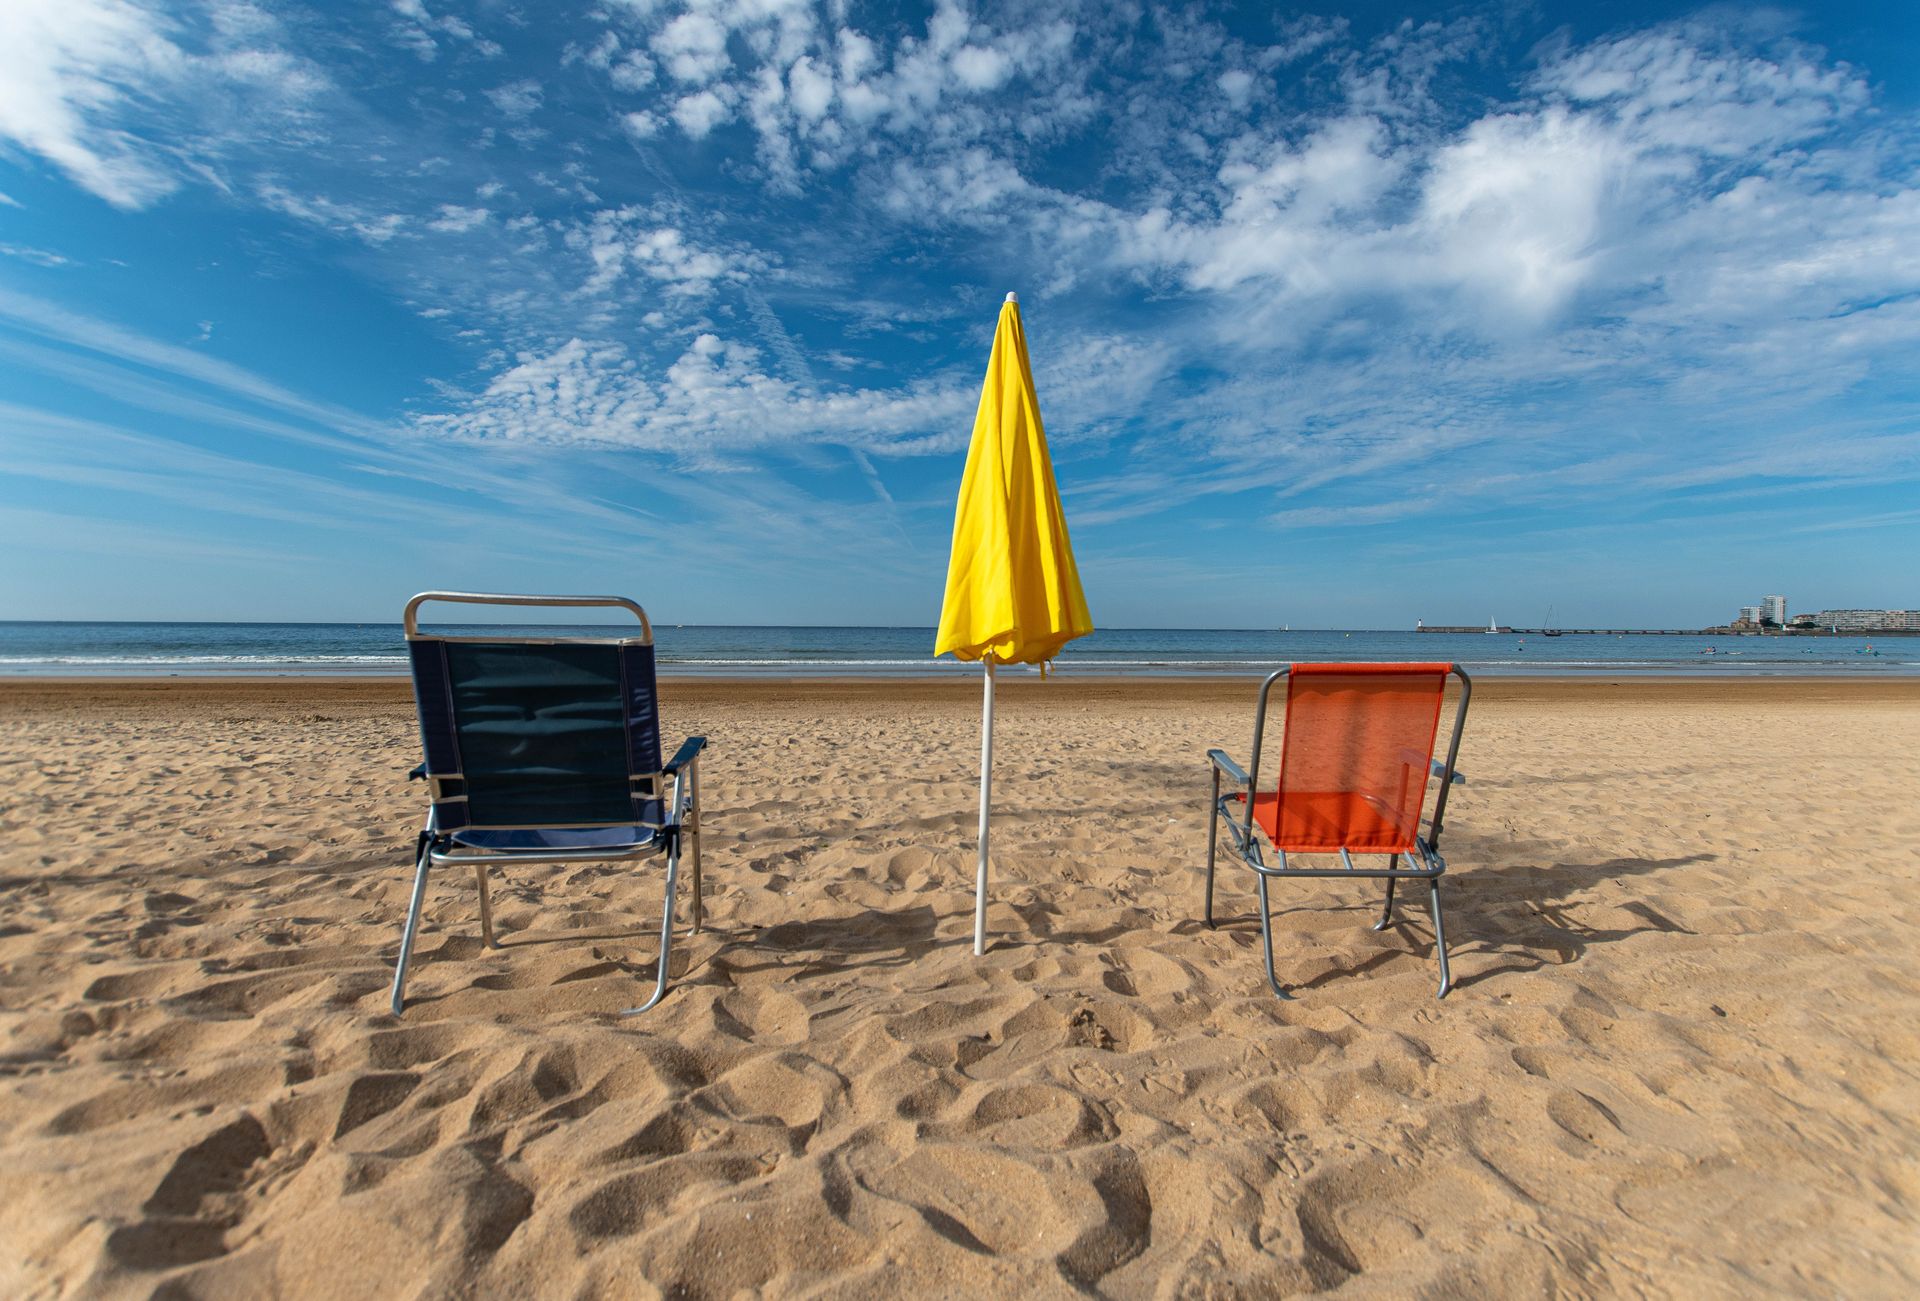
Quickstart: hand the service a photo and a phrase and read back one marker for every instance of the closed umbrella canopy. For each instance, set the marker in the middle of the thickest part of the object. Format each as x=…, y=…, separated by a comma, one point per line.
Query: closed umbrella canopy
x=1013, y=593
x=1012, y=589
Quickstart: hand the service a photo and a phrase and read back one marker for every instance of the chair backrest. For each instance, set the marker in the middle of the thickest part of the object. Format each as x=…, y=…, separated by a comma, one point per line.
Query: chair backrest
x=1355, y=756
x=538, y=731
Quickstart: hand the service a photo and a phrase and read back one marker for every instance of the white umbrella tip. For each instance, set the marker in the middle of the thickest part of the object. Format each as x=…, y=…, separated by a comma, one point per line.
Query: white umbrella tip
x=1012, y=297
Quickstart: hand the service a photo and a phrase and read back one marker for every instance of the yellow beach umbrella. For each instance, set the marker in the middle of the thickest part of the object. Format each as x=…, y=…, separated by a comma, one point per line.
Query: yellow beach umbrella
x=1013, y=593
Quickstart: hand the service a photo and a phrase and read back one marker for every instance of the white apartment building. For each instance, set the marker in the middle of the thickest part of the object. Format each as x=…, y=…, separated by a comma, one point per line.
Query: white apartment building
x=1869, y=620
x=1774, y=608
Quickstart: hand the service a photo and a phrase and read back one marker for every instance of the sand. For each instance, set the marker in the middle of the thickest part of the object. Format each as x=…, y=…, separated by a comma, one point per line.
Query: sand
x=1680, y=1058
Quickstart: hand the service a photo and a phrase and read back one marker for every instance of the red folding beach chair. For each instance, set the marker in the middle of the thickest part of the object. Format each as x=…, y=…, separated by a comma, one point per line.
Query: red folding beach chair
x=1355, y=759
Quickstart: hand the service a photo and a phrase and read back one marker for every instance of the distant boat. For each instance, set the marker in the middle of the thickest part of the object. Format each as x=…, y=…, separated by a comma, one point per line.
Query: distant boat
x=1550, y=630
x=1492, y=627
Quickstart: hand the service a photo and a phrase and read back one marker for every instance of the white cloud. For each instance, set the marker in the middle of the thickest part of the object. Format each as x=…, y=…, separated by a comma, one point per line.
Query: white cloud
x=699, y=113
x=645, y=242
x=714, y=401
x=970, y=184
x=1513, y=209
x=633, y=73
x=1351, y=268
x=1237, y=85
x=1300, y=37
x=981, y=68
x=363, y=223
x=1681, y=88
x=664, y=254
x=717, y=401
x=694, y=48
x=815, y=95
x=455, y=220
x=39, y=257
x=1504, y=221
x=417, y=31
x=516, y=99
x=810, y=89
x=65, y=65
x=76, y=75
x=67, y=327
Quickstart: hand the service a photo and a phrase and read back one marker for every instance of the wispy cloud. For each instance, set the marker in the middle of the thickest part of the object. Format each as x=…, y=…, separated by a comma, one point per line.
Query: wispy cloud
x=1302, y=273
x=39, y=257
x=84, y=84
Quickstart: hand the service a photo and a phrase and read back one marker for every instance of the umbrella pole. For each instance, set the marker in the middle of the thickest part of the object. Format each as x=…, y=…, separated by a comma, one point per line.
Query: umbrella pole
x=986, y=791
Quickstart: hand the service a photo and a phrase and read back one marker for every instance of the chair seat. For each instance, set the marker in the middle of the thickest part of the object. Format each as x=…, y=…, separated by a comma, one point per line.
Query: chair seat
x=1325, y=822
x=547, y=839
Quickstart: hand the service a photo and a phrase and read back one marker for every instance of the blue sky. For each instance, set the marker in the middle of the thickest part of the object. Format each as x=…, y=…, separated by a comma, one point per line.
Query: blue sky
x=1340, y=317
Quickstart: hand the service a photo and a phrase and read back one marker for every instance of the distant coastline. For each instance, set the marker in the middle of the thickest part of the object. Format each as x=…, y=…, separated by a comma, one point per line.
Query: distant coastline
x=1723, y=630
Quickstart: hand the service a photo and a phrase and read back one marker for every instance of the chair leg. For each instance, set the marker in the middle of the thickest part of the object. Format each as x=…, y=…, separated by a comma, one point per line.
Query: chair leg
x=666, y=935
x=1213, y=839
x=1439, y=938
x=413, y=924
x=693, y=842
x=1266, y=939
x=1386, y=909
x=486, y=906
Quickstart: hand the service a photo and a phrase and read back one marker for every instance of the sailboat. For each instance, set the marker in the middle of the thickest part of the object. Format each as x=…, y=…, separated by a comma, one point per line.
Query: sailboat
x=1492, y=627
x=1550, y=630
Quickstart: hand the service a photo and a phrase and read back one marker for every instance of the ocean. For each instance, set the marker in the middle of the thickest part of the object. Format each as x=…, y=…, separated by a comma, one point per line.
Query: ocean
x=377, y=649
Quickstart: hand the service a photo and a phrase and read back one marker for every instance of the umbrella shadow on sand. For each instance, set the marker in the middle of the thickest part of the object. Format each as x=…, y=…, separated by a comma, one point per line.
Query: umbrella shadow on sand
x=872, y=937
x=881, y=939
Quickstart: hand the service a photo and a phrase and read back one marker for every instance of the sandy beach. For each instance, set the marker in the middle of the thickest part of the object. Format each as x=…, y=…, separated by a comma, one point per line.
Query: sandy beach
x=1680, y=1058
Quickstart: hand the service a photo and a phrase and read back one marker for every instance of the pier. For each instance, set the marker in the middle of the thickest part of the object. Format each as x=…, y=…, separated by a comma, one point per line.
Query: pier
x=1503, y=629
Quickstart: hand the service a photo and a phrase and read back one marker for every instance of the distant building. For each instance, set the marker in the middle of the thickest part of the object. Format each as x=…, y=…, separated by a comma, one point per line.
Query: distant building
x=1869, y=620
x=1774, y=608
x=1749, y=614
x=1850, y=620
x=1804, y=621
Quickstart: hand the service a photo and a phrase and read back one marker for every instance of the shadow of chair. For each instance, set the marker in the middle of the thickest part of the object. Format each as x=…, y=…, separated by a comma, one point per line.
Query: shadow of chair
x=1551, y=921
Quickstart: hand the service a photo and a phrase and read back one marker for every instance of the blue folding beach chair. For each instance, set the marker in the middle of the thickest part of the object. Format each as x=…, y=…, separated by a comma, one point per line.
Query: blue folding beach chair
x=546, y=749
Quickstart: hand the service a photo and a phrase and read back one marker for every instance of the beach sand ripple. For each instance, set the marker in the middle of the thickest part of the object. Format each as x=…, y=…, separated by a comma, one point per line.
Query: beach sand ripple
x=1680, y=1058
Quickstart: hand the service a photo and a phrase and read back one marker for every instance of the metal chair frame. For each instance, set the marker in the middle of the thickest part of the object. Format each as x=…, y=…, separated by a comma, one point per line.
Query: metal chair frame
x=1246, y=843
x=680, y=830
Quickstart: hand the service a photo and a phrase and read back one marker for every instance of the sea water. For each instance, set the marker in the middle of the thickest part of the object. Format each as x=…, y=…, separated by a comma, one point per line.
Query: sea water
x=378, y=649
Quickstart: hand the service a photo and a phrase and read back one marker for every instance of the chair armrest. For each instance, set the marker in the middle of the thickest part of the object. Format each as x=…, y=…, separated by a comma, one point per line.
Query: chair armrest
x=689, y=750
x=1234, y=772
x=418, y=774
